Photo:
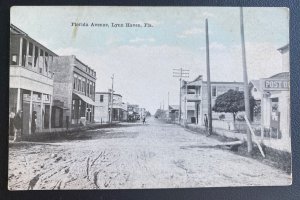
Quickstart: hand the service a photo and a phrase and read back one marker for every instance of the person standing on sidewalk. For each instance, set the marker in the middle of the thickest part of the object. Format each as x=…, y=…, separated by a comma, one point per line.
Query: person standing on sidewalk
x=18, y=125
x=33, y=122
x=11, y=123
x=206, y=123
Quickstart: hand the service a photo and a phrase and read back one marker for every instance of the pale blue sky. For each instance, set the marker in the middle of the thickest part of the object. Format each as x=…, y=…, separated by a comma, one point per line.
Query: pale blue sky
x=143, y=58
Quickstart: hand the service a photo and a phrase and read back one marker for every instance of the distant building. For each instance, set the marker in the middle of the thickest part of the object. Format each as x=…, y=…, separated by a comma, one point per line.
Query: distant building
x=173, y=113
x=103, y=106
x=30, y=80
x=142, y=112
x=194, y=98
x=133, y=112
x=74, y=91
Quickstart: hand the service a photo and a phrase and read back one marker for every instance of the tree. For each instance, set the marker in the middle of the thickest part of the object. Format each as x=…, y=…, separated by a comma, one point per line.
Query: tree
x=232, y=101
x=160, y=113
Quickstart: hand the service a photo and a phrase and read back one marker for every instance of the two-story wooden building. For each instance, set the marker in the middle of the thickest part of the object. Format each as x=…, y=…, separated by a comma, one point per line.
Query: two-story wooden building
x=31, y=80
x=103, y=107
x=194, y=102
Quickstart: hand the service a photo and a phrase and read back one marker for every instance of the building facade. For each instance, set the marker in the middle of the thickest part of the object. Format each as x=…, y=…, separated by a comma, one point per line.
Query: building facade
x=74, y=91
x=103, y=107
x=31, y=81
x=194, y=103
x=133, y=112
x=274, y=95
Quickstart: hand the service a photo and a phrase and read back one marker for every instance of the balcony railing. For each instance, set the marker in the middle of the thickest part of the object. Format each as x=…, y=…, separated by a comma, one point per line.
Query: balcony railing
x=21, y=77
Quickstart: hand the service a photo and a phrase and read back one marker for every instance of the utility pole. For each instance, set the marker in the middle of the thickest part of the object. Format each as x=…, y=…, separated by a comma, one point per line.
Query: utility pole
x=168, y=100
x=111, y=98
x=246, y=88
x=168, y=114
x=181, y=73
x=208, y=80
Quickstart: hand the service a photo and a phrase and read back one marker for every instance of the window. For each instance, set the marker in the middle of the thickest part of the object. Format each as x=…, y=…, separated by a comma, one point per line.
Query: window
x=83, y=85
x=36, y=56
x=79, y=84
x=237, y=88
x=91, y=88
x=73, y=109
x=46, y=61
x=87, y=88
x=24, y=46
x=50, y=61
x=14, y=59
x=30, y=54
x=41, y=59
x=46, y=97
x=74, y=81
x=255, y=90
x=214, y=91
x=101, y=98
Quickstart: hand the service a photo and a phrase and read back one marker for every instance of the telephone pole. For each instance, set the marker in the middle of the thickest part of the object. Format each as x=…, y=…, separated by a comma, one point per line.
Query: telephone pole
x=181, y=73
x=168, y=100
x=208, y=81
x=112, y=97
x=245, y=75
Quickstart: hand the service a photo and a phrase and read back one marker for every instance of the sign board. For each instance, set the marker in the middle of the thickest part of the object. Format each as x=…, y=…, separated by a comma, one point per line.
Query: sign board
x=275, y=84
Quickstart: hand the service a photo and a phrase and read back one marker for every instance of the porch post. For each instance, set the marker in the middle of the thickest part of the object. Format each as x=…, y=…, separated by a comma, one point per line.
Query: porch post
x=18, y=99
x=50, y=112
x=42, y=107
x=20, y=51
x=30, y=111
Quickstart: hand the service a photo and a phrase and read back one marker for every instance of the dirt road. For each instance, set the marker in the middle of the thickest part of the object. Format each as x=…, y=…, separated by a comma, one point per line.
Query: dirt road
x=134, y=156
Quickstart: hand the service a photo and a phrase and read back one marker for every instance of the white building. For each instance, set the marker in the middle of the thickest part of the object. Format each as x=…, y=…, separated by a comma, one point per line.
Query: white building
x=274, y=93
x=30, y=80
x=194, y=102
x=103, y=106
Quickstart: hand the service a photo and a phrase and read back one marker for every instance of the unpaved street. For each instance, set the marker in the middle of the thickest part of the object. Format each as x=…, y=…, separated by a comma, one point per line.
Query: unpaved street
x=134, y=156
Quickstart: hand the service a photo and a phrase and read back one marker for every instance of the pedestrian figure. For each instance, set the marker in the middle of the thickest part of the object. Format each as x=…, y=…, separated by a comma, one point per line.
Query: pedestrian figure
x=33, y=122
x=67, y=122
x=18, y=125
x=206, y=123
x=144, y=120
x=11, y=123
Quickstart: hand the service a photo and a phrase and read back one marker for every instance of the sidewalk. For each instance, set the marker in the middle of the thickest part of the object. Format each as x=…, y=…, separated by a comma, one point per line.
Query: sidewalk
x=221, y=132
x=57, y=131
x=269, y=142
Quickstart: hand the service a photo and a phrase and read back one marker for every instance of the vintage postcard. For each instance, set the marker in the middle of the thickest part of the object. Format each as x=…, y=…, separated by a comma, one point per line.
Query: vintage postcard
x=148, y=97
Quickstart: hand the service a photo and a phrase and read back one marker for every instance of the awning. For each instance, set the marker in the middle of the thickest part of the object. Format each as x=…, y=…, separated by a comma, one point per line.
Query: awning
x=85, y=99
x=61, y=107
